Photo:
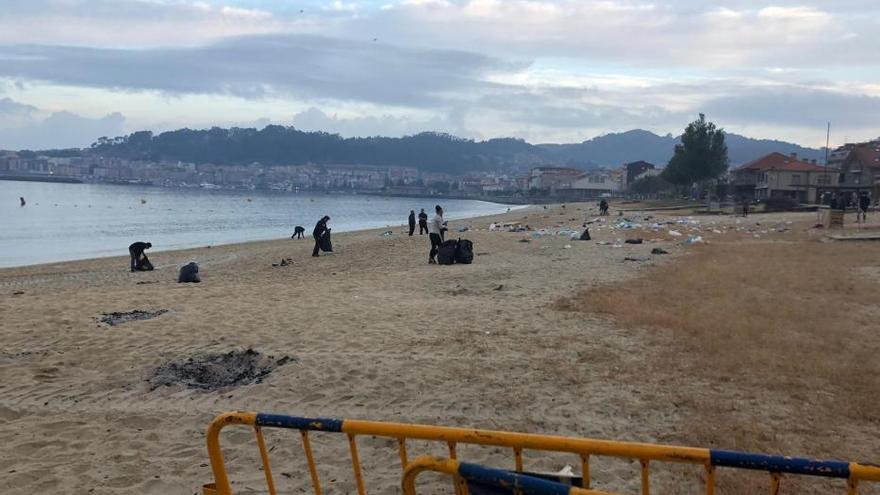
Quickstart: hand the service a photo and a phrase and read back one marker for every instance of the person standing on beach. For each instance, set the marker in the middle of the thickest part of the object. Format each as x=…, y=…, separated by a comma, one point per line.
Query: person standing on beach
x=136, y=251
x=423, y=222
x=412, y=222
x=864, y=204
x=318, y=234
x=435, y=232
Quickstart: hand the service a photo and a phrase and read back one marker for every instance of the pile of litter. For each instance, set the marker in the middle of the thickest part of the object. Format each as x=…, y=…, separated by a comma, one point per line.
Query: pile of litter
x=216, y=370
x=117, y=318
x=284, y=262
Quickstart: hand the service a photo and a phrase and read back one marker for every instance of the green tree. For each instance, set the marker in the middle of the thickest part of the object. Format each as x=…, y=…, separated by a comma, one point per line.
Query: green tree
x=651, y=184
x=701, y=156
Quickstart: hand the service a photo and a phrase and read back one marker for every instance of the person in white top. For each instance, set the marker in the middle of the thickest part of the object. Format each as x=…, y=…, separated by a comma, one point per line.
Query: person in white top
x=436, y=229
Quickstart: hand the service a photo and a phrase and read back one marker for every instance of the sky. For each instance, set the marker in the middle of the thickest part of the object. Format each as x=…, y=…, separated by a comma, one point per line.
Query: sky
x=542, y=70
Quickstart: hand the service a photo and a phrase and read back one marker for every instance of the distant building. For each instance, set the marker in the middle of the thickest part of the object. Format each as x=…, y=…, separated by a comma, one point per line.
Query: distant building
x=778, y=175
x=551, y=178
x=859, y=167
x=636, y=169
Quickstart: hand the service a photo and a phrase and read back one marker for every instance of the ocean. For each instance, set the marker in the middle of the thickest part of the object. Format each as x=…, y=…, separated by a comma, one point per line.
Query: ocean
x=63, y=222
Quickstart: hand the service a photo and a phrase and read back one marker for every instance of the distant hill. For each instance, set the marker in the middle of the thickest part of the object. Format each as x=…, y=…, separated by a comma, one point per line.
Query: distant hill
x=428, y=151
x=638, y=144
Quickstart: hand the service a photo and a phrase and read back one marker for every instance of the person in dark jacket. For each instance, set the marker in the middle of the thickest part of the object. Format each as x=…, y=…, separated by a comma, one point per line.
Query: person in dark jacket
x=864, y=204
x=423, y=222
x=412, y=222
x=136, y=251
x=318, y=233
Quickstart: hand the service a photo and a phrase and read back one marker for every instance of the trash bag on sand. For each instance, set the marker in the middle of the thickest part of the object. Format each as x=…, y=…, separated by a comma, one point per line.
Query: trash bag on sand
x=326, y=245
x=446, y=252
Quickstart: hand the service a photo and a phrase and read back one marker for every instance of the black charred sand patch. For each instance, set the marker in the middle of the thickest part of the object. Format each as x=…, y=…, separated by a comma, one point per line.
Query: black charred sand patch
x=216, y=370
x=116, y=318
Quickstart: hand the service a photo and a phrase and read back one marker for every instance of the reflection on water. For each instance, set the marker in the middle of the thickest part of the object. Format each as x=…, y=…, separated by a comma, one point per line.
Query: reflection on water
x=76, y=221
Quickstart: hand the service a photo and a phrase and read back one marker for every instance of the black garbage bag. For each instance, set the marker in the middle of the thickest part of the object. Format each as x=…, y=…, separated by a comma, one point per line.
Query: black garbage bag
x=446, y=252
x=586, y=235
x=326, y=245
x=464, y=252
x=144, y=264
x=189, y=273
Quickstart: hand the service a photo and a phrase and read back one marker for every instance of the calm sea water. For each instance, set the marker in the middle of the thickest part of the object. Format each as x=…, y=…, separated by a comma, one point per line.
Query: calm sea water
x=76, y=221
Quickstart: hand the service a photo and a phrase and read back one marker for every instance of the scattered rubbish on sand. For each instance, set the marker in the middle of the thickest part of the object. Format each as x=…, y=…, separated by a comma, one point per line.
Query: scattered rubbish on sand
x=284, y=262
x=145, y=282
x=216, y=370
x=116, y=318
x=18, y=293
x=387, y=233
x=567, y=246
x=694, y=239
x=674, y=233
x=463, y=229
x=637, y=240
x=500, y=286
x=525, y=240
x=659, y=251
x=637, y=258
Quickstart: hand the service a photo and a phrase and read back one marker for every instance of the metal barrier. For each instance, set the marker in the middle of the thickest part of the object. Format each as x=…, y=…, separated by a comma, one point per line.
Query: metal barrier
x=645, y=453
x=487, y=476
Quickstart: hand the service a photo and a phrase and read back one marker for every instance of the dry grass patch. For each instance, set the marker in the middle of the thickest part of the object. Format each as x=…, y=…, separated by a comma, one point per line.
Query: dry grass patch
x=774, y=345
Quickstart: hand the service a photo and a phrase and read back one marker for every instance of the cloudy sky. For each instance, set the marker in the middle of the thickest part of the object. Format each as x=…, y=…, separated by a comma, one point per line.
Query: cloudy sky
x=544, y=70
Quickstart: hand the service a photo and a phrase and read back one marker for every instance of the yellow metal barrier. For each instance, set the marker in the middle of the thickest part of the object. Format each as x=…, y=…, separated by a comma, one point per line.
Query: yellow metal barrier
x=645, y=453
x=492, y=477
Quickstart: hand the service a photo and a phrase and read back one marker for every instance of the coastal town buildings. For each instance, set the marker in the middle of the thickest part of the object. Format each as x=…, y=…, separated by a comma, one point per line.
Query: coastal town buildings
x=776, y=175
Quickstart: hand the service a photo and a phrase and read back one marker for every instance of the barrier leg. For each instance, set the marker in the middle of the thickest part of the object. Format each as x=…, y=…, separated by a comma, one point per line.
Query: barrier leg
x=313, y=470
x=356, y=463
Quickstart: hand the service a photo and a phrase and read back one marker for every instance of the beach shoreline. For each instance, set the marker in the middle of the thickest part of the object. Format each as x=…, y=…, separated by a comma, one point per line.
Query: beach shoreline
x=244, y=244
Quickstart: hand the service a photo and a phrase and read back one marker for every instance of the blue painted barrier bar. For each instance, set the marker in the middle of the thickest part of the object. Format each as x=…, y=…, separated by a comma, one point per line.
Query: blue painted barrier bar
x=779, y=464
x=502, y=478
x=299, y=423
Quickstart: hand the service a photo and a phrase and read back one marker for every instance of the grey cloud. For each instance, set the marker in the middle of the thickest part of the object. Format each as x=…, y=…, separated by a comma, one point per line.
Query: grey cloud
x=796, y=107
x=27, y=127
x=301, y=66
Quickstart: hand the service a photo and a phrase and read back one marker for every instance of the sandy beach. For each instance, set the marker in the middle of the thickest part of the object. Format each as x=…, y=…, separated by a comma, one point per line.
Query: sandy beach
x=372, y=332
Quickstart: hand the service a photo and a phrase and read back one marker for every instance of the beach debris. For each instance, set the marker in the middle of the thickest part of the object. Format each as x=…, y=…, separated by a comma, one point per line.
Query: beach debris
x=500, y=286
x=217, y=370
x=463, y=229
x=387, y=233
x=284, y=262
x=189, y=273
x=637, y=258
x=116, y=318
x=694, y=239
x=637, y=240
x=674, y=233
x=18, y=293
x=567, y=246
x=145, y=282
x=659, y=251
x=525, y=240
x=143, y=201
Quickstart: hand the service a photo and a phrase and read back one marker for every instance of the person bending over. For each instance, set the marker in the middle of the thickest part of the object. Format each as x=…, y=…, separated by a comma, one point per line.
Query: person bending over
x=136, y=251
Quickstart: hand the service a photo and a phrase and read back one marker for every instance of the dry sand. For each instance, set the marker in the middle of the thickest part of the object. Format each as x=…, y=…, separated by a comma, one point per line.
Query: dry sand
x=374, y=333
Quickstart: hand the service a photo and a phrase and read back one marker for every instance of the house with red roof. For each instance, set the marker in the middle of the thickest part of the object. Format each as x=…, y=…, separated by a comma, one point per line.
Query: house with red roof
x=778, y=175
x=859, y=169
